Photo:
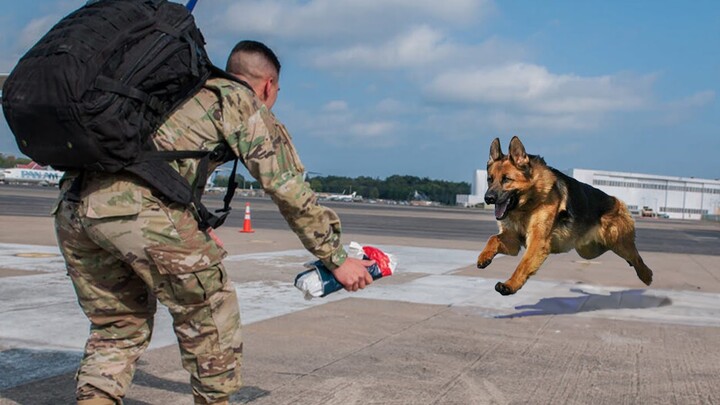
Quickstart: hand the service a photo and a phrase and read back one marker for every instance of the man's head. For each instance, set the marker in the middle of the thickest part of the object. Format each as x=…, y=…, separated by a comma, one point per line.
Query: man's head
x=256, y=64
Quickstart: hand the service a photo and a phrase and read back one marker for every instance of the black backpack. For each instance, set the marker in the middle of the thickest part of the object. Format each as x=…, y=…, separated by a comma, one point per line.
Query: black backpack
x=90, y=94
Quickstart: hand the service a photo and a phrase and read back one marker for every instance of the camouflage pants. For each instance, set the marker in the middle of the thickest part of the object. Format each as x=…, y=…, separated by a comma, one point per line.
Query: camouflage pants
x=123, y=248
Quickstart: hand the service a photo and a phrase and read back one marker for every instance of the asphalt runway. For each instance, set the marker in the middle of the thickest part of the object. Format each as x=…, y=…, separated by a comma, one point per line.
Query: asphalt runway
x=438, y=223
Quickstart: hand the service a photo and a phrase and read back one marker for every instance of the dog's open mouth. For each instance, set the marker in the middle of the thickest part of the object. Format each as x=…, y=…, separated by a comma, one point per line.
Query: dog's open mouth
x=503, y=208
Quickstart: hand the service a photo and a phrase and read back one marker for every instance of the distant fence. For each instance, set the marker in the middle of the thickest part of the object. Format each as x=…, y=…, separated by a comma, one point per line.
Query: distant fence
x=708, y=217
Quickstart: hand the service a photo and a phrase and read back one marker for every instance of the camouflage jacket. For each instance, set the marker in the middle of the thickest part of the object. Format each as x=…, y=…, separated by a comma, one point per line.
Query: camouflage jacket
x=226, y=111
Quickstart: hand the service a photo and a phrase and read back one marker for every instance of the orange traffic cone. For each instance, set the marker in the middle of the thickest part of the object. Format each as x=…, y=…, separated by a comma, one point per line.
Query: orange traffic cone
x=247, y=227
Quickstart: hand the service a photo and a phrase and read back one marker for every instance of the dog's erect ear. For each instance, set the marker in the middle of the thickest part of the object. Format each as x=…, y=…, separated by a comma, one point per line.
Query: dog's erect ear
x=495, y=152
x=517, y=153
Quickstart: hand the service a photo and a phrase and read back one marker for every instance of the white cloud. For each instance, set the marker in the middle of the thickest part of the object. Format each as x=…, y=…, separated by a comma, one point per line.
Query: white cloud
x=335, y=106
x=339, y=21
x=392, y=106
x=356, y=35
x=419, y=49
x=21, y=41
x=510, y=122
x=699, y=99
x=420, y=46
x=364, y=130
x=35, y=29
x=676, y=111
x=533, y=88
x=19, y=34
x=345, y=127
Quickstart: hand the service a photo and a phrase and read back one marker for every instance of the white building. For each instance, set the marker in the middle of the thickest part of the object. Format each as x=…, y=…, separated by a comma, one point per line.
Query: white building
x=678, y=197
x=477, y=191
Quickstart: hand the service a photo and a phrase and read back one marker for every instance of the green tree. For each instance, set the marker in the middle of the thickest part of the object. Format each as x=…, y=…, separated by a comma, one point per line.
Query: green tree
x=12, y=161
x=374, y=193
x=316, y=184
x=221, y=181
x=395, y=187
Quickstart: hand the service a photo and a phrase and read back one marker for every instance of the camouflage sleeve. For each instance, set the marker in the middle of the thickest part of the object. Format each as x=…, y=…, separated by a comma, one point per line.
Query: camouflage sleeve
x=269, y=155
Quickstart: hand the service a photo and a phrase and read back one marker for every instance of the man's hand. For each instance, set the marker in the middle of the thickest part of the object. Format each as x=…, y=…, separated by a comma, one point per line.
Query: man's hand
x=353, y=274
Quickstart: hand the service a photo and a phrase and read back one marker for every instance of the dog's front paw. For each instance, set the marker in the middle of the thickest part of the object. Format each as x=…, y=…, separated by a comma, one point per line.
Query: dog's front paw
x=503, y=289
x=484, y=261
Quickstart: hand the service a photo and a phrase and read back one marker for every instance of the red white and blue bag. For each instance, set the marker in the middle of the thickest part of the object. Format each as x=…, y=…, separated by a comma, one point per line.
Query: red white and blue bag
x=318, y=281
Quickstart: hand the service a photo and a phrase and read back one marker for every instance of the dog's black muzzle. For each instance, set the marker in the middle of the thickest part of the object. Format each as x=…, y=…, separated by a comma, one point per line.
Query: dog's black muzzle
x=491, y=196
x=504, y=202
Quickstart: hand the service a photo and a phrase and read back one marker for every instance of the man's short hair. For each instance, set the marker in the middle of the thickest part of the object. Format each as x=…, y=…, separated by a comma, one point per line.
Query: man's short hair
x=256, y=47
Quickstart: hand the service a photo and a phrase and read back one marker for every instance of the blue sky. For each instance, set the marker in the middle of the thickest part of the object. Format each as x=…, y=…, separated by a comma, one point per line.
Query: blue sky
x=420, y=87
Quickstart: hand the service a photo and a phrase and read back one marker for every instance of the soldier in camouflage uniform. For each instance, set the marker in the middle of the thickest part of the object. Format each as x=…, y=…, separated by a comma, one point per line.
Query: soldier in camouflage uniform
x=125, y=245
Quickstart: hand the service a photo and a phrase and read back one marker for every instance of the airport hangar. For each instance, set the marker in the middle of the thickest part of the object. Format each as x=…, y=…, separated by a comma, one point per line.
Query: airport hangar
x=674, y=197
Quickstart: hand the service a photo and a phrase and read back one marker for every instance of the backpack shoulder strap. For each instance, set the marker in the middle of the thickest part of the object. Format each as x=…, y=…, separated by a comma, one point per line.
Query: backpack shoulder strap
x=153, y=167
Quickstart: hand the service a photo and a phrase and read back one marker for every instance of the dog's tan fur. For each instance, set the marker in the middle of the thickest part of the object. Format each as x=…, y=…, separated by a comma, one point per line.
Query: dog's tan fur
x=546, y=212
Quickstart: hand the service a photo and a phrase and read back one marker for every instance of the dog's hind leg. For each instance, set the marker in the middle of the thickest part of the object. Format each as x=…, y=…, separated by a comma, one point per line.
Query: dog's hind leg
x=618, y=233
x=626, y=249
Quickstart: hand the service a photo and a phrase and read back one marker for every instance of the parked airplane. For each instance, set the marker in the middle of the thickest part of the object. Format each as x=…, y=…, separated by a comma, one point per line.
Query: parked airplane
x=342, y=197
x=31, y=176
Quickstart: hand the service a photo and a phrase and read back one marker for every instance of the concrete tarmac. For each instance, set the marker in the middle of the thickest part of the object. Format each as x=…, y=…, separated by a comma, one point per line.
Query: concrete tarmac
x=579, y=332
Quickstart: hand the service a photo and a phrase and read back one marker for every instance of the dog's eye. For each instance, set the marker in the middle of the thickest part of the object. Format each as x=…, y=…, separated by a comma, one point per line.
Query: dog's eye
x=506, y=179
x=489, y=179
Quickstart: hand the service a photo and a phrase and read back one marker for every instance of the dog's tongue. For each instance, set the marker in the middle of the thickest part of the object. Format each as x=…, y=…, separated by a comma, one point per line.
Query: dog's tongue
x=500, y=209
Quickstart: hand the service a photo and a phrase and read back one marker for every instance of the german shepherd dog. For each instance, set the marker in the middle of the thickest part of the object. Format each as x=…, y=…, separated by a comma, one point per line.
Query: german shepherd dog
x=545, y=211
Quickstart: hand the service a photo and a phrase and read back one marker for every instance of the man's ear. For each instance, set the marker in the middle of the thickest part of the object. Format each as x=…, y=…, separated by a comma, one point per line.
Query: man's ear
x=266, y=89
x=495, y=152
x=517, y=153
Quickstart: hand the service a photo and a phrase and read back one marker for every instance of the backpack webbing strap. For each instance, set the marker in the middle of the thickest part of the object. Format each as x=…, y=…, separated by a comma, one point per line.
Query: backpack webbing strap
x=73, y=193
x=154, y=168
x=206, y=218
x=114, y=86
x=232, y=185
x=162, y=177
